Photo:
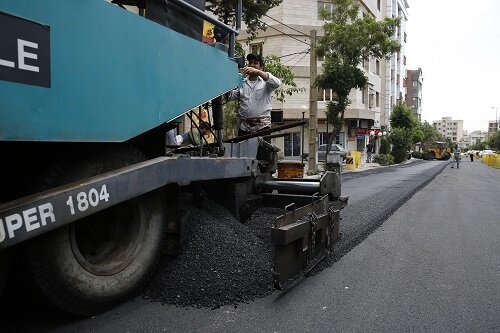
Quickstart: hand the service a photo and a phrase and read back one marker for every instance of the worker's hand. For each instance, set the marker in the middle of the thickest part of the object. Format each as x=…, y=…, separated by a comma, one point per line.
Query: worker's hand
x=250, y=70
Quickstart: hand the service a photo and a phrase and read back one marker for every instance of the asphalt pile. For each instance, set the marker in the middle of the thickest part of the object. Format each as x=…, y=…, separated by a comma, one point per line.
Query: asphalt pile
x=223, y=261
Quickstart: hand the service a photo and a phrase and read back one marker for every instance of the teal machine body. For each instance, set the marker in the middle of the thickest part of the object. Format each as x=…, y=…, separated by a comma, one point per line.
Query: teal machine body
x=90, y=71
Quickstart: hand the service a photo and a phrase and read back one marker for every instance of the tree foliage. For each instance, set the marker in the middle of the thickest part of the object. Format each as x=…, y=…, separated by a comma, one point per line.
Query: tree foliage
x=479, y=145
x=284, y=73
x=230, y=121
x=348, y=40
x=494, y=141
x=385, y=146
x=401, y=142
x=431, y=135
x=402, y=117
x=253, y=10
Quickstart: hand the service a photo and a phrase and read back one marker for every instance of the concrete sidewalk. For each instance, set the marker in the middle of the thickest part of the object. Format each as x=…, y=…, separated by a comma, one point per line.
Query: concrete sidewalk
x=363, y=167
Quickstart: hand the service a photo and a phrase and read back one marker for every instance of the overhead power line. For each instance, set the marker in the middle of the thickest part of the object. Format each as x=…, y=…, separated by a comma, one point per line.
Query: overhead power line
x=275, y=20
x=284, y=33
x=291, y=54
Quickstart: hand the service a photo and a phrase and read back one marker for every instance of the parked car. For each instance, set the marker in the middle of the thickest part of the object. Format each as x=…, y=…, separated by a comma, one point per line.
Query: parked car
x=335, y=148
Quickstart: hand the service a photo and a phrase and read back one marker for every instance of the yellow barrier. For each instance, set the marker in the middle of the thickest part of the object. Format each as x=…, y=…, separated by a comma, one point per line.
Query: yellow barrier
x=490, y=159
x=349, y=163
x=357, y=158
x=496, y=162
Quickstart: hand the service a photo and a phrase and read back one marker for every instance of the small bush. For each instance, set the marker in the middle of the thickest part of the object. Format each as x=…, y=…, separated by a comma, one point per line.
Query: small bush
x=312, y=172
x=417, y=154
x=383, y=159
x=399, y=155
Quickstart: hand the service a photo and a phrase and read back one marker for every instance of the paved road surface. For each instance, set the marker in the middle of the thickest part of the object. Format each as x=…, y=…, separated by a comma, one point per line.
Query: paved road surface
x=433, y=266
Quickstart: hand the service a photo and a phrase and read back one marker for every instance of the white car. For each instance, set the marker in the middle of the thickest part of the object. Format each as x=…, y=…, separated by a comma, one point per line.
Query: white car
x=335, y=149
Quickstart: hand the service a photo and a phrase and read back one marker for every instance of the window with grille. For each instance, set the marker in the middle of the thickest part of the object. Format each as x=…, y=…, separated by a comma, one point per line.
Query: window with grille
x=256, y=48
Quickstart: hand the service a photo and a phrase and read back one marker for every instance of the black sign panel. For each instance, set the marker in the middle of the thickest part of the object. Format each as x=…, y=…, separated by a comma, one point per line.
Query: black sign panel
x=24, y=51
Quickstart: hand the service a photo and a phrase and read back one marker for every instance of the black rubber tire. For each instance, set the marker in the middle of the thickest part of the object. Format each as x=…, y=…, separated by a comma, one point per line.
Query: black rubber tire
x=79, y=273
x=429, y=155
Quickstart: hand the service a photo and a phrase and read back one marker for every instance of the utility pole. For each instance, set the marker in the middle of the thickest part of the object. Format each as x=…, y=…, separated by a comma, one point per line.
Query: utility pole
x=496, y=116
x=313, y=103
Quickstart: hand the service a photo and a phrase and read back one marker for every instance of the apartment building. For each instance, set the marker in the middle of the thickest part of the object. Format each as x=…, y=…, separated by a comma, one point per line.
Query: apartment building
x=478, y=136
x=450, y=129
x=492, y=127
x=414, y=81
x=394, y=85
x=464, y=141
x=288, y=36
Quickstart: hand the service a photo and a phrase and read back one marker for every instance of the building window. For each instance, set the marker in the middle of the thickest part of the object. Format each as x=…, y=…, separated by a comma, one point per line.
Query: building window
x=404, y=38
x=377, y=99
x=256, y=48
x=326, y=6
x=325, y=95
x=404, y=60
x=324, y=137
x=366, y=64
x=378, y=5
x=363, y=99
x=377, y=67
x=292, y=144
x=371, y=99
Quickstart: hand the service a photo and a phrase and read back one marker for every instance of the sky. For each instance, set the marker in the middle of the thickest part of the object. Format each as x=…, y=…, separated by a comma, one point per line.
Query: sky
x=456, y=43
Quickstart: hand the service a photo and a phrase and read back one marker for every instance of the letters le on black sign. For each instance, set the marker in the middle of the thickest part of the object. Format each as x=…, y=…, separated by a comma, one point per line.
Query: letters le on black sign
x=24, y=51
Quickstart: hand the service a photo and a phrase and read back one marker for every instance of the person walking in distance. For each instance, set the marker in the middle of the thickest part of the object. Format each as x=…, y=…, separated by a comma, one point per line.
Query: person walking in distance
x=456, y=156
x=369, y=150
x=471, y=154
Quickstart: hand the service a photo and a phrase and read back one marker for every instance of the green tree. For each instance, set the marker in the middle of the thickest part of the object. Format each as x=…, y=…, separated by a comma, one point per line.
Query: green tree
x=230, y=120
x=349, y=40
x=253, y=10
x=401, y=142
x=385, y=146
x=417, y=135
x=284, y=73
x=402, y=117
x=494, y=141
x=431, y=135
x=479, y=145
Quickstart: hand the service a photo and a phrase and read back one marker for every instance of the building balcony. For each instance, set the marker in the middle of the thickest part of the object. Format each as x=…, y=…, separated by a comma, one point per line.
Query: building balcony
x=359, y=114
